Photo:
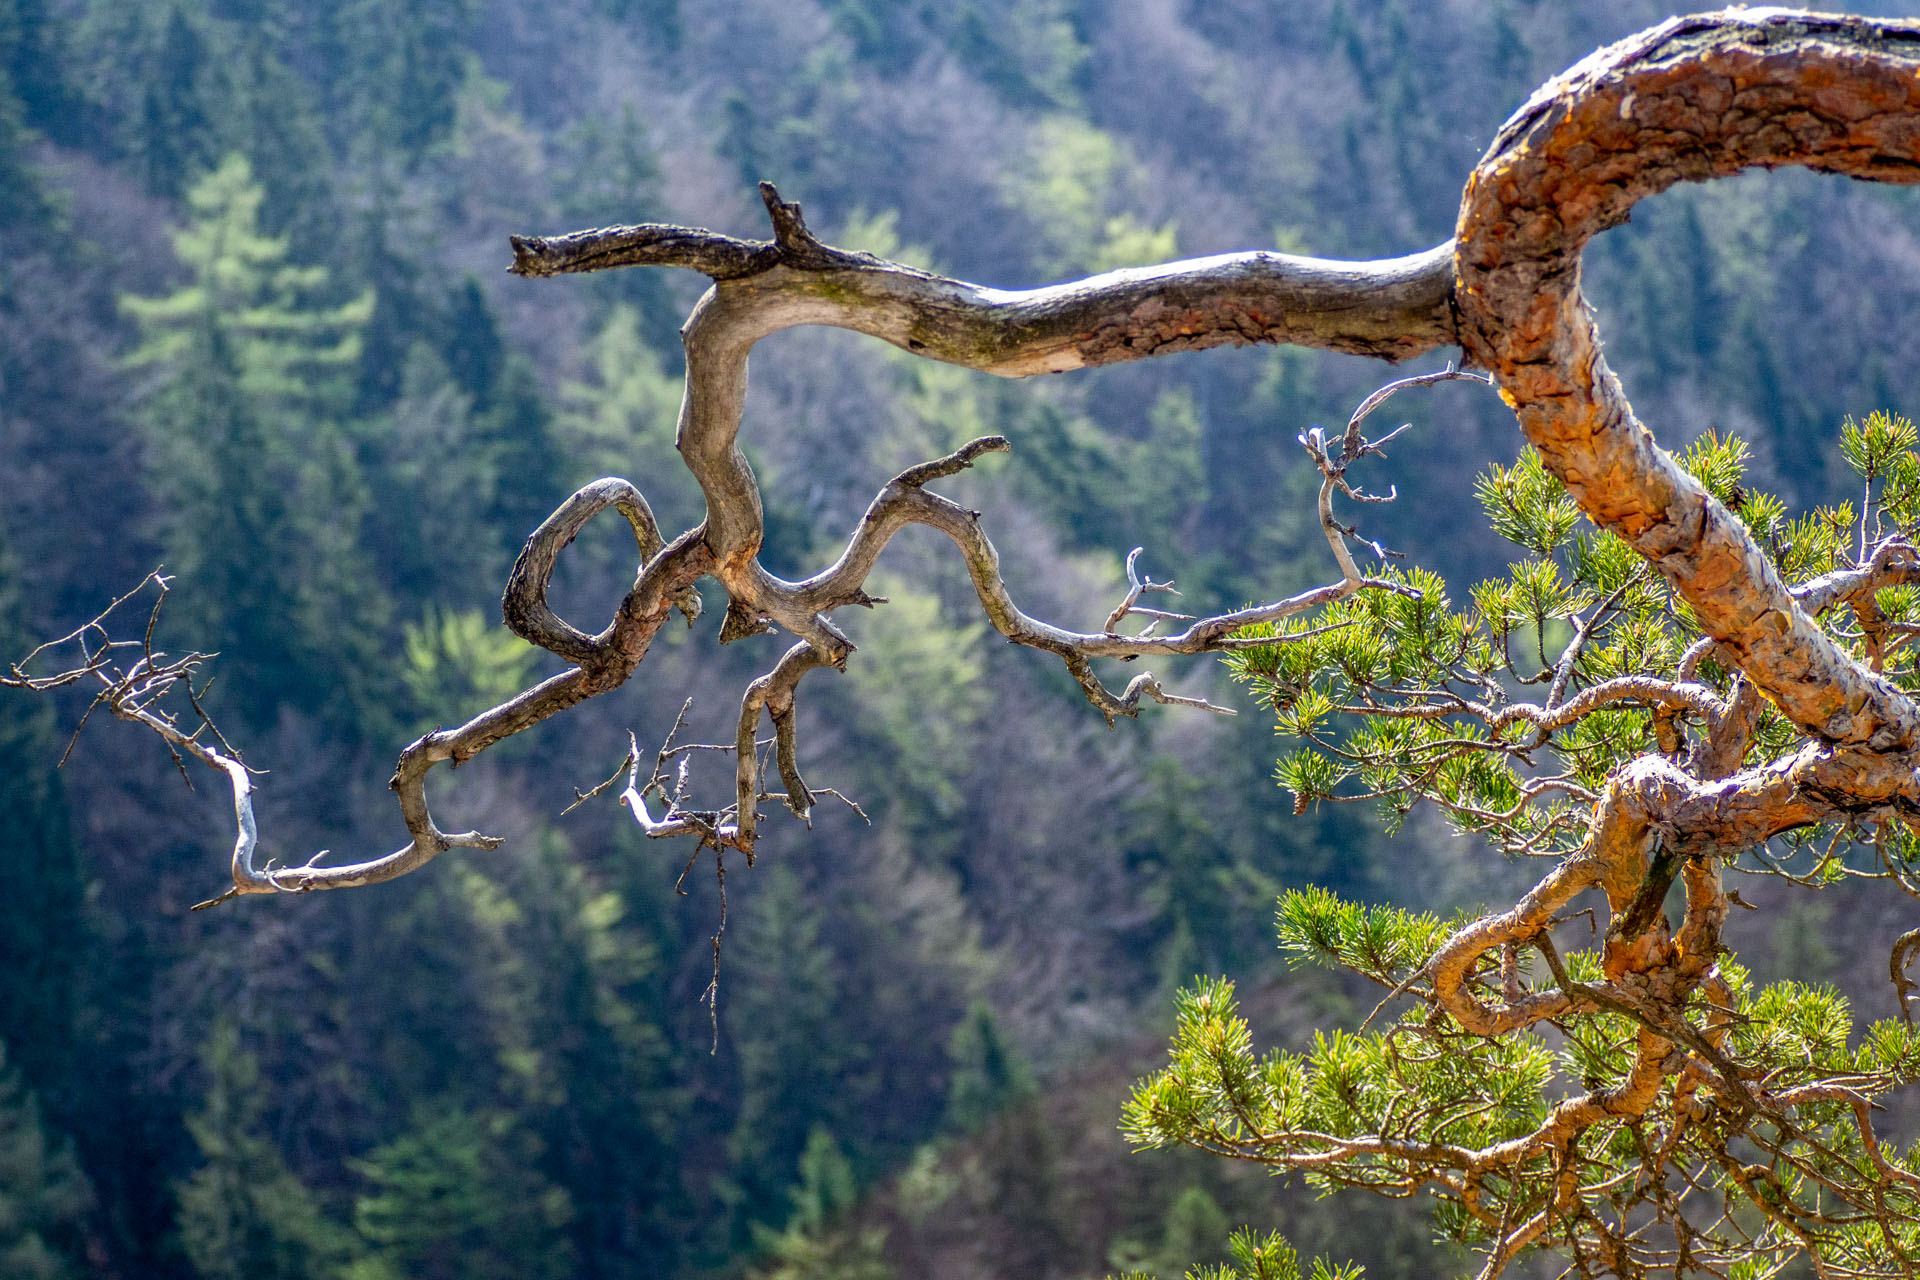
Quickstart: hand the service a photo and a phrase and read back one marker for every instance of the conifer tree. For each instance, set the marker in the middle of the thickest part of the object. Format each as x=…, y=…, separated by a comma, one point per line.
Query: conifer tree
x=261, y=495
x=43, y=932
x=22, y=202
x=244, y=1215
x=791, y=1064
x=458, y=1197
x=1581, y=1137
x=44, y=1198
x=817, y=1243
x=988, y=1072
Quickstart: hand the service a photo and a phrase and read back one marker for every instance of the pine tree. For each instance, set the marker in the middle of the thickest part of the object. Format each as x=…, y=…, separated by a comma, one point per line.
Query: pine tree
x=43, y=930
x=457, y=1197
x=260, y=491
x=44, y=1198
x=1401, y=699
x=244, y=1215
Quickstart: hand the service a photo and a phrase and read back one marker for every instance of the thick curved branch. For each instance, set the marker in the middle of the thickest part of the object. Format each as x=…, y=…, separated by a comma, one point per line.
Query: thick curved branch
x=774, y=694
x=523, y=606
x=1653, y=804
x=800, y=607
x=1394, y=308
x=902, y=504
x=1667, y=694
x=1696, y=98
x=1892, y=563
x=1692, y=99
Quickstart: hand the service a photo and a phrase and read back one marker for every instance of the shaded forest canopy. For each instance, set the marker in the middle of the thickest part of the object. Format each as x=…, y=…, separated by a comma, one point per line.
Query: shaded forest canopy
x=340, y=476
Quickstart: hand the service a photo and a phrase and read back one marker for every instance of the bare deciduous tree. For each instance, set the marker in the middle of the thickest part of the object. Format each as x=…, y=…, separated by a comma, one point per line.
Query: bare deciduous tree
x=1789, y=709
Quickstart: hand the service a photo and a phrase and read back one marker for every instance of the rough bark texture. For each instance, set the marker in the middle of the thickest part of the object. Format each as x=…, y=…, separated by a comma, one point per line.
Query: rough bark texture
x=1696, y=98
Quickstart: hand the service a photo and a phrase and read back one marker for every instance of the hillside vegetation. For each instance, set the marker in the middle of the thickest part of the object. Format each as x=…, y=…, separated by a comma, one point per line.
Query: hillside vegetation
x=255, y=326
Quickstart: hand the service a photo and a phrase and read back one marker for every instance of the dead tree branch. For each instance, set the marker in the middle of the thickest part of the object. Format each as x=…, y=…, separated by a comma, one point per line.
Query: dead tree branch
x=1696, y=98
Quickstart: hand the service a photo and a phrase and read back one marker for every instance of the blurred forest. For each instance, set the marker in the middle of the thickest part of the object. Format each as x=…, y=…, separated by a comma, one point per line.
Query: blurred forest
x=254, y=325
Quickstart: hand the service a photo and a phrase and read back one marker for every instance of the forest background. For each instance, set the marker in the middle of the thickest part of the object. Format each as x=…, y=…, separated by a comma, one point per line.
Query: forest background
x=254, y=326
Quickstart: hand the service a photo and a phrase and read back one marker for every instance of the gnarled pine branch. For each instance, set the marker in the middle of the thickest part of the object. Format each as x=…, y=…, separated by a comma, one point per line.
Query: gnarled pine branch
x=1696, y=98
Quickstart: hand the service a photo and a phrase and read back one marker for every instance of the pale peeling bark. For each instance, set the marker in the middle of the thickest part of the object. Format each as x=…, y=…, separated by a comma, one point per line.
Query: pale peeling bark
x=1394, y=308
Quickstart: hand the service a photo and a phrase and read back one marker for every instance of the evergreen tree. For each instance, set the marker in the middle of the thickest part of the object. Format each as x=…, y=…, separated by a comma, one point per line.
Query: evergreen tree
x=261, y=496
x=22, y=202
x=987, y=1072
x=43, y=930
x=792, y=1062
x=815, y=1244
x=619, y=420
x=1193, y=1233
x=475, y=354
x=458, y=1197
x=287, y=350
x=1385, y=1110
x=400, y=72
x=33, y=61
x=44, y=1198
x=172, y=133
x=614, y=1119
x=275, y=121
x=244, y=1215
x=515, y=436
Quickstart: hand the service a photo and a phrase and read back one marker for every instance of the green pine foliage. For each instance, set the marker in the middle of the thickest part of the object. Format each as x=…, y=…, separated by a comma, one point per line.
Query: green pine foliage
x=1262, y=1257
x=459, y=1196
x=1382, y=1103
x=1400, y=696
x=1511, y=717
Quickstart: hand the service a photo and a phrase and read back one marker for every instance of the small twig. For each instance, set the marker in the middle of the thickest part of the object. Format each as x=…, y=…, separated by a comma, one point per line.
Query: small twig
x=1898, y=960
x=581, y=797
x=1136, y=587
x=1145, y=685
x=1353, y=447
x=959, y=460
x=711, y=998
x=847, y=801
